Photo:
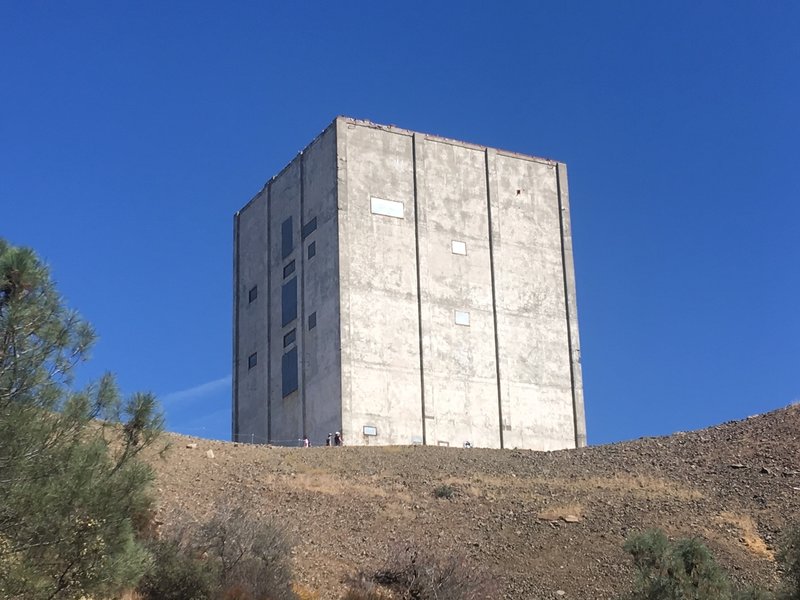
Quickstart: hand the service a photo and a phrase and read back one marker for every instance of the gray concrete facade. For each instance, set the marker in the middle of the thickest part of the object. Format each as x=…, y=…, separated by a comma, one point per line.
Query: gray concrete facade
x=404, y=288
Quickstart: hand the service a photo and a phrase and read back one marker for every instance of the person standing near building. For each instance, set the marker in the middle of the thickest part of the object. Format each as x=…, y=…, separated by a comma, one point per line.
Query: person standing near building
x=328, y=440
x=337, y=439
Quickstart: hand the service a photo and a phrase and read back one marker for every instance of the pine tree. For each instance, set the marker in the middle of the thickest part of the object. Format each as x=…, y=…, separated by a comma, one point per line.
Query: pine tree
x=72, y=486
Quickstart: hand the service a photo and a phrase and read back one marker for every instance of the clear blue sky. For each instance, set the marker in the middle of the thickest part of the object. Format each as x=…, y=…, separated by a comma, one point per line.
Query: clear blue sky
x=130, y=132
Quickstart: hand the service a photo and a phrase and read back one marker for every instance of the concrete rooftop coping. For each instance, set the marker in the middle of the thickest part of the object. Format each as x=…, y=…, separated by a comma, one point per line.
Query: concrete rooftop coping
x=400, y=131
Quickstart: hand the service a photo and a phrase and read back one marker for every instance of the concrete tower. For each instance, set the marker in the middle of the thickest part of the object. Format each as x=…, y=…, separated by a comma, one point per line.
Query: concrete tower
x=405, y=288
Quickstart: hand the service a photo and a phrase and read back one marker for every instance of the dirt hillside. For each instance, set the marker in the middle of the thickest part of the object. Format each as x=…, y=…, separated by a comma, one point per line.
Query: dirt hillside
x=543, y=525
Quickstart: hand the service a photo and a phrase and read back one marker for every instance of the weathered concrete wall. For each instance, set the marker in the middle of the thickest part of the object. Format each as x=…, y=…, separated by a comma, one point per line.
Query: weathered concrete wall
x=286, y=413
x=379, y=305
x=460, y=371
x=535, y=382
x=321, y=363
x=250, y=321
x=303, y=191
x=579, y=413
x=442, y=287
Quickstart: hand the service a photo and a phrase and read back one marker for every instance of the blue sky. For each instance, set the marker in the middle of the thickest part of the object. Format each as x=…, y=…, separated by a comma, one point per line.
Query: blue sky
x=130, y=132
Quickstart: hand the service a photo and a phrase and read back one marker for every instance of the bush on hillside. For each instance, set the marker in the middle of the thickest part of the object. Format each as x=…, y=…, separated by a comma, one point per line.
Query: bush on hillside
x=232, y=556
x=254, y=556
x=444, y=491
x=684, y=569
x=411, y=574
x=789, y=559
x=176, y=575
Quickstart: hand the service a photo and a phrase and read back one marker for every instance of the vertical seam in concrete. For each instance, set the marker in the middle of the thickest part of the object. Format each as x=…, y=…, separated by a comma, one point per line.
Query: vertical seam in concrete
x=269, y=313
x=566, y=305
x=302, y=277
x=235, y=415
x=419, y=289
x=337, y=270
x=494, y=299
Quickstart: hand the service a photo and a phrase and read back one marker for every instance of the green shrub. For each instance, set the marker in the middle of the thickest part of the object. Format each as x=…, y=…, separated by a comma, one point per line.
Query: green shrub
x=789, y=559
x=684, y=569
x=444, y=491
x=253, y=556
x=175, y=575
x=411, y=574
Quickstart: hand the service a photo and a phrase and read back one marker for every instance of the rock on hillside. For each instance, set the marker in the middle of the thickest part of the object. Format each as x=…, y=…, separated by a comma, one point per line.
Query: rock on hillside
x=536, y=522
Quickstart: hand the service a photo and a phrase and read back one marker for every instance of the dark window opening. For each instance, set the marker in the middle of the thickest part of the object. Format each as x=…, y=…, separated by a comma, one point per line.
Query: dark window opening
x=289, y=372
x=252, y=294
x=252, y=360
x=309, y=227
x=287, y=243
x=312, y=250
x=312, y=321
x=288, y=269
x=289, y=301
x=289, y=338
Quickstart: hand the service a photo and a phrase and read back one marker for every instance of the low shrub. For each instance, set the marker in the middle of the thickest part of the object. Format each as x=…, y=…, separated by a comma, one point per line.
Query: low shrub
x=233, y=556
x=174, y=575
x=253, y=556
x=789, y=559
x=681, y=569
x=444, y=491
x=411, y=574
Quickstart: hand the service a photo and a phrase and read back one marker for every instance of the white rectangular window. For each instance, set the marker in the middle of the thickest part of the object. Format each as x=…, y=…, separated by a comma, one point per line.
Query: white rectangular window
x=387, y=208
x=370, y=430
x=458, y=247
x=462, y=318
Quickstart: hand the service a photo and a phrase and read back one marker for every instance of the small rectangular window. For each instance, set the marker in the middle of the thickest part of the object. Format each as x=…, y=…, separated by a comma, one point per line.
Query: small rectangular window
x=312, y=321
x=289, y=338
x=309, y=227
x=370, y=430
x=289, y=301
x=312, y=250
x=387, y=208
x=287, y=243
x=252, y=360
x=252, y=294
x=289, y=372
x=458, y=247
x=462, y=317
x=288, y=269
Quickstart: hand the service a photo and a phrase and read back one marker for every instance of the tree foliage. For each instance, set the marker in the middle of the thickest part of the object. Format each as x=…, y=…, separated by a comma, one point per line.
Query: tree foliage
x=71, y=484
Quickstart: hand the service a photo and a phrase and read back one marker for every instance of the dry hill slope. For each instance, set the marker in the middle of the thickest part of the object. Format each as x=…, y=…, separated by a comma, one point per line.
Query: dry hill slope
x=736, y=485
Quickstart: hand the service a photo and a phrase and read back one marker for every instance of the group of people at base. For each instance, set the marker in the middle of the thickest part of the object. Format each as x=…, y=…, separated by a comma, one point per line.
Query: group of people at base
x=333, y=439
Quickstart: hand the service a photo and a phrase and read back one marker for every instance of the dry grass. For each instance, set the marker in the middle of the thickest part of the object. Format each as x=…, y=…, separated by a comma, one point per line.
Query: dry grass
x=746, y=528
x=304, y=593
x=641, y=486
x=322, y=483
x=616, y=485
